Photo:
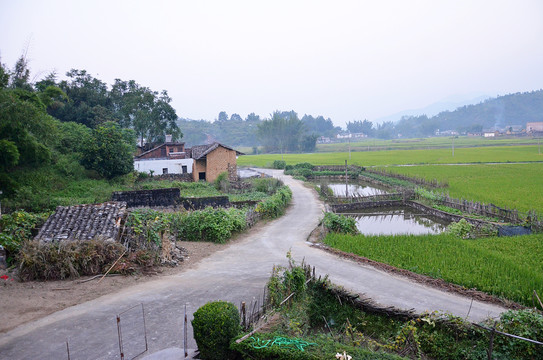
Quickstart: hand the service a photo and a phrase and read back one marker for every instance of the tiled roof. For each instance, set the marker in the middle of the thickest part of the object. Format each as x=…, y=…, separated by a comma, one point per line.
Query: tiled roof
x=84, y=222
x=159, y=146
x=200, y=151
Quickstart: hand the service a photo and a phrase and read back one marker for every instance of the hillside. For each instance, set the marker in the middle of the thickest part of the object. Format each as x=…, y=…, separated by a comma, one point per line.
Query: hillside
x=492, y=114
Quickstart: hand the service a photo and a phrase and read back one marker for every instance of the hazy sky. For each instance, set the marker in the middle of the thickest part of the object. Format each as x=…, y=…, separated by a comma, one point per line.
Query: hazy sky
x=345, y=60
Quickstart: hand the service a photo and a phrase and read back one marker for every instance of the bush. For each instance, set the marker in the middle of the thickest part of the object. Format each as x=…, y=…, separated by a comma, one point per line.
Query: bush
x=526, y=323
x=461, y=229
x=215, y=225
x=16, y=228
x=340, y=224
x=266, y=185
x=215, y=325
x=304, y=165
x=276, y=204
x=221, y=182
x=279, y=164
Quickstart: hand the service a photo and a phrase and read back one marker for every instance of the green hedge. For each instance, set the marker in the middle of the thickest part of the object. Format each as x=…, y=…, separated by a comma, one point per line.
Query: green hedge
x=340, y=223
x=275, y=205
x=215, y=225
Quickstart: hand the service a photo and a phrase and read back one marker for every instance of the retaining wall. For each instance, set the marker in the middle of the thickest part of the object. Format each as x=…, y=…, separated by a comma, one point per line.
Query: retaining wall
x=148, y=198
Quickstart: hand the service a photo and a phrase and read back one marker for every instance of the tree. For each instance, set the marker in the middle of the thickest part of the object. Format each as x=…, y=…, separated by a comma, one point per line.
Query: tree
x=148, y=112
x=109, y=150
x=252, y=117
x=282, y=132
x=223, y=116
x=235, y=117
x=308, y=143
x=357, y=126
x=88, y=97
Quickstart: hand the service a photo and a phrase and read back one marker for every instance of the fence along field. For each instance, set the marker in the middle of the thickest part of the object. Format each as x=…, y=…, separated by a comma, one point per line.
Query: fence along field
x=515, y=186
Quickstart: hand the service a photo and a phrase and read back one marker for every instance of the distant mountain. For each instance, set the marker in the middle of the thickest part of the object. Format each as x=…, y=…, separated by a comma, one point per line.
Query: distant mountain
x=448, y=104
x=493, y=114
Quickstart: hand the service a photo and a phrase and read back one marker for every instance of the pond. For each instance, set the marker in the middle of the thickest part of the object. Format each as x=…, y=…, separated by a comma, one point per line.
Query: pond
x=358, y=188
x=395, y=221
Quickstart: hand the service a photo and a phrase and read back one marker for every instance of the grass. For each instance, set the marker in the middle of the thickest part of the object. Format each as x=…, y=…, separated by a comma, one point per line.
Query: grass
x=421, y=143
x=508, y=267
x=499, y=154
x=516, y=186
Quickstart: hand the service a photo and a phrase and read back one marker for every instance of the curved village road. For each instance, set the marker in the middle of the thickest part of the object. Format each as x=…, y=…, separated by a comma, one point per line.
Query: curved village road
x=236, y=273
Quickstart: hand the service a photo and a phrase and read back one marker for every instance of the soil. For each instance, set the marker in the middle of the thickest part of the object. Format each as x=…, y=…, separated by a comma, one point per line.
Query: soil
x=27, y=301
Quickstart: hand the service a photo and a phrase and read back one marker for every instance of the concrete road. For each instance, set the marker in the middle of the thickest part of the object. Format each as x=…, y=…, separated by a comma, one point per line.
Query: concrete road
x=237, y=273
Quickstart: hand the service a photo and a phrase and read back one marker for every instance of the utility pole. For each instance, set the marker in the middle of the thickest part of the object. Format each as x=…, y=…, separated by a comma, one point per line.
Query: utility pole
x=346, y=181
x=453, y=146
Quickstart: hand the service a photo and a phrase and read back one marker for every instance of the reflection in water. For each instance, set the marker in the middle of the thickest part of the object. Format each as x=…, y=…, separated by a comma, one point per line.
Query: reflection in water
x=391, y=221
x=359, y=189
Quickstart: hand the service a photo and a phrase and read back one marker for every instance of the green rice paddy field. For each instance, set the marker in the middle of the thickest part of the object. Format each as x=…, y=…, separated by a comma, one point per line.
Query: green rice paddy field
x=521, y=153
x=508, y=267
x=516, y=186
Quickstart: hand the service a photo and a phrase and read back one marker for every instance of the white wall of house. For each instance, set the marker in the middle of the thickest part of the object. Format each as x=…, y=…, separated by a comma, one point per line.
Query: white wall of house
x=173, y=166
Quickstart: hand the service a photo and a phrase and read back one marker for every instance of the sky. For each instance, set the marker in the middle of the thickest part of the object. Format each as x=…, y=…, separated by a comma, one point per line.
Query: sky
x=346, y=60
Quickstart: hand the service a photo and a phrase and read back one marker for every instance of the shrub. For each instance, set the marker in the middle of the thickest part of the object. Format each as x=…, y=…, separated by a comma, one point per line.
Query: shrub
x=340, y=224
x=276, y=204
x=16, y=228
x=461, y=229
x=215, y=325
x=279, y=164
x=221, y=182
x=526, y=323
x=304, y=165
x=266, y=185
x=215, y=225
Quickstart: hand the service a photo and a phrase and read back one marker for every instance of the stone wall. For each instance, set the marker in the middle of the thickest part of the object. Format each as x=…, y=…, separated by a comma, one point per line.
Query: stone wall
x=148, y=198
x=202, y=203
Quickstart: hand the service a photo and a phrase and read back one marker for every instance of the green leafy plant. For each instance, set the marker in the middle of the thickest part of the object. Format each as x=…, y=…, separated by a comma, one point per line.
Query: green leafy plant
x=215, y=325
x=340, y=223
x=215, y=225
x=461, y=229
x=16, y=228
x=279, y=164
x=276, y=204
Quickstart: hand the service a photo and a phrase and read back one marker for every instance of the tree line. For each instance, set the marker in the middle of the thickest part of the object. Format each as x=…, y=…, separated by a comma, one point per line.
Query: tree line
x=77, y=122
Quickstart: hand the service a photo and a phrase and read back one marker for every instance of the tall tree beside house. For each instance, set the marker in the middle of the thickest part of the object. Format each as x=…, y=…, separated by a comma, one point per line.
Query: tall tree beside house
x=109, y=150
x=148, y=112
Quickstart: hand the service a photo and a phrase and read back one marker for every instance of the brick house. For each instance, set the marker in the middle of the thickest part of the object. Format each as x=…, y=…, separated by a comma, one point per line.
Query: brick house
x=204, y=162
x=213, y=159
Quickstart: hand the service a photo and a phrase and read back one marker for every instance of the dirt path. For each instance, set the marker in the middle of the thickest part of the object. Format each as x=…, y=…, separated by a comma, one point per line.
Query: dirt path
x=237, y=272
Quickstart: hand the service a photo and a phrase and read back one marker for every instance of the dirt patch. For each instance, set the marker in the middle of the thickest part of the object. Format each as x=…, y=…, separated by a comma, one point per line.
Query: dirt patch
x=318, y=234
x=27, y=301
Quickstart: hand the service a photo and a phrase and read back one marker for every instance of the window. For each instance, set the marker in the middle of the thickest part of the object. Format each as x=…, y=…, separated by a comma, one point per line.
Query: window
x=184, y=167
x=170, y=150
x=202, y=176
x=165, y=170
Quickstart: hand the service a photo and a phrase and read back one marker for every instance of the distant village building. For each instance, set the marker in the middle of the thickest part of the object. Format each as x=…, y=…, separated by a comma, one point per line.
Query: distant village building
x=351, y=136
x=446, y=133
x=323, y=140
x=534, y=126
x=203, y=162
